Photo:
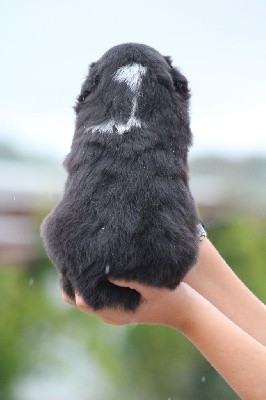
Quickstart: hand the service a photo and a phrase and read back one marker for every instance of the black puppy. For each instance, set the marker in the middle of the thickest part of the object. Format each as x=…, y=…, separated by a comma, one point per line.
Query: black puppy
x=127, y=211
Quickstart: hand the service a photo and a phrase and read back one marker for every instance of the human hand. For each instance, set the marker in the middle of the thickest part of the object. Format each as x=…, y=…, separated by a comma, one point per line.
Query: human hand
x=158, y=306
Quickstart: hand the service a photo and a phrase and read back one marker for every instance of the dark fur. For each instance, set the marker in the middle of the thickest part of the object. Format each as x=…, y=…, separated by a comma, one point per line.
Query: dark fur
x=127, y=211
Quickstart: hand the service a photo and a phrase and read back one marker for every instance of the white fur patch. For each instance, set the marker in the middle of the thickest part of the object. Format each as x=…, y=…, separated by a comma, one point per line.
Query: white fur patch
x=106, y=127
x=109, y=126
x=131, y=74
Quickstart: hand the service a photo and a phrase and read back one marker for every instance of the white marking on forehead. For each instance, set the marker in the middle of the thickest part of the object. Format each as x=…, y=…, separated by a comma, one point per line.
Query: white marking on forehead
x=131, y=74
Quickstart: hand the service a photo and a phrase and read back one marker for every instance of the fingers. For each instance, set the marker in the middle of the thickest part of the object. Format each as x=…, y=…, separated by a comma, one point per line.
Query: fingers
x=108, y=315
x=114, y=316
x=82, y=305
x=129, y=284
x=78, y=302
x=147, y=292
x=67, y=299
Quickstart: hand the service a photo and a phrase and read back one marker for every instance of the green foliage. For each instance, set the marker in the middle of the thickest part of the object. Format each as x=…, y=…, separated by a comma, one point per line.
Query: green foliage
x=24, y=315
x=242, y=243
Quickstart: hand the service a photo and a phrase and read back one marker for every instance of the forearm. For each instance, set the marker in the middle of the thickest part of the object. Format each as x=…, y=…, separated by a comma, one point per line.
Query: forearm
x=239, y=358
x=214, y=280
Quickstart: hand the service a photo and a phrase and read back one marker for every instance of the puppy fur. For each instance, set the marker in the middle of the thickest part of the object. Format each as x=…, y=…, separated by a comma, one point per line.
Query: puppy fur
x=127, y=211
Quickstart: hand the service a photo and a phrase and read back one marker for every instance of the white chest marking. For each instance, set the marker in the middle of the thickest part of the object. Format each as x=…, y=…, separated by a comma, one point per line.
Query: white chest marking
x=132, y=75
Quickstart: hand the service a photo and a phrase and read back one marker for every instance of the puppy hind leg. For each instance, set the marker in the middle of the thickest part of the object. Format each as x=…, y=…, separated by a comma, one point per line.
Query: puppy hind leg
x=106, y=294
x=67, y=287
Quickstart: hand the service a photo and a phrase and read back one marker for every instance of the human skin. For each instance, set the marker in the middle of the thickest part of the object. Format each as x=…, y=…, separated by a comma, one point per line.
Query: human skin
x=215, y=280
x=221, y=317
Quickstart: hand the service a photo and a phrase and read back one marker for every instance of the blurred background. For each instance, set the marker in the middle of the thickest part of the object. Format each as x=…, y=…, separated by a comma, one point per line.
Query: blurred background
x=48, y=350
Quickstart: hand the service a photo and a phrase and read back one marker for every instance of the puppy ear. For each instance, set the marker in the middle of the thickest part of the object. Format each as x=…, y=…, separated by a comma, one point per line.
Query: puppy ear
x=87, y=86
x=168, y=59
x=180, y=81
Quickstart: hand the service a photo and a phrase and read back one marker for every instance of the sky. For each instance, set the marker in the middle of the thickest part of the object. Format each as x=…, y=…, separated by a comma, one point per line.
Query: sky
x=46, y=47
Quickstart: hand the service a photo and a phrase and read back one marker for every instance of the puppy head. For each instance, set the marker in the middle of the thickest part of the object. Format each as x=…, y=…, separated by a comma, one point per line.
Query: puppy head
x=130, y=86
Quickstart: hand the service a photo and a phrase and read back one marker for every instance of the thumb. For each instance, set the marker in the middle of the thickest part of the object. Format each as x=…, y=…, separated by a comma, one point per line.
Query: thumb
x=127, y=284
